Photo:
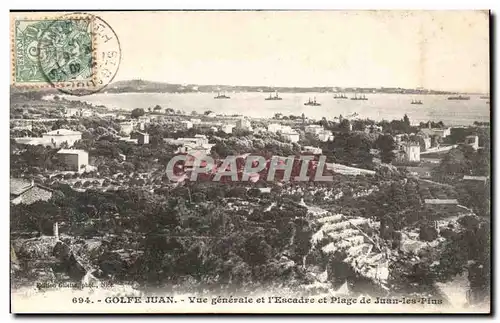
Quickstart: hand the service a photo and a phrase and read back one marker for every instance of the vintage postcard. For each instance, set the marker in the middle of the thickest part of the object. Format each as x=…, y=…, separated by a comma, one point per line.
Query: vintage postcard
x=250, y=162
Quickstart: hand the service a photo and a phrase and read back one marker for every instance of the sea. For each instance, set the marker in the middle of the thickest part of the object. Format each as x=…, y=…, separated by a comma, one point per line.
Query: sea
x=378, y=106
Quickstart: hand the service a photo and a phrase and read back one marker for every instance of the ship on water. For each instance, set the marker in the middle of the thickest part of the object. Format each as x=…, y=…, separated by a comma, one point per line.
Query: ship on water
x=275, y=97
x=459, y=97
x=221, y=96
x=359, y=98
x=416, y=102
x=313, y=103
x=484, y=97
x=340, y=96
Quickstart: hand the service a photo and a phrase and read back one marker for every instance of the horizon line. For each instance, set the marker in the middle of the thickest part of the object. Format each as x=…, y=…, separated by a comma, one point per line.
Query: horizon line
x=305, y=87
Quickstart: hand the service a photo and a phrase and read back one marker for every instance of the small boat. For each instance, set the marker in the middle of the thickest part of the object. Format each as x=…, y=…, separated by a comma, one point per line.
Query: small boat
x=359, y=98
x=459, y=97
x=221, y=96
x=340, y=96
x=275, y=97
x=416, y=102
x=487, y=102
x=313, y=103
x=485, y=97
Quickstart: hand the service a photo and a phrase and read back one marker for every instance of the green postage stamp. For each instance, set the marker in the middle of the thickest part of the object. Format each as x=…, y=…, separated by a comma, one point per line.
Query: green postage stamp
x=53, y=52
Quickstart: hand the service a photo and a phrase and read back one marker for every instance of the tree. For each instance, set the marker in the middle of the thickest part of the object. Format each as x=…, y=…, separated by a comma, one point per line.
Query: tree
x=386, y=144
x=406, y=120
x=136, y=113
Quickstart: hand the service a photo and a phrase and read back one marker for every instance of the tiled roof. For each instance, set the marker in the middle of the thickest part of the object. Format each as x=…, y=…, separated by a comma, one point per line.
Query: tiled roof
x=19, y=185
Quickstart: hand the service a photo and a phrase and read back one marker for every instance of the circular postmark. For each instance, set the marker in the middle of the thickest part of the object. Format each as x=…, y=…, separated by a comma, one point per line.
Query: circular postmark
x=79, y=53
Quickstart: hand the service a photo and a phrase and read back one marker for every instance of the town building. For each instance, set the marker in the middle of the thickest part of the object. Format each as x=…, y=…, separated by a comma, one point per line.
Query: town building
x=142, y=138
x=427, y=143
x=72, y=112
x=440, y=132
x=273, y=127
x=244, y=124
x=195, y=121
x=144, y=119
x=228, y=128
x=23, y=191
x=292, y=136
x=399, y=138
x=325, y=135
x=483, y=179
x=372, y=128
x=126, y=127
x=472, y=141
x=314, y=129
x=187, y=145
x=312, y=150
x=412, y=151
x=56, y=138
x=129, y=140
x=408, y=153
x=74, y=159
x=185, y=124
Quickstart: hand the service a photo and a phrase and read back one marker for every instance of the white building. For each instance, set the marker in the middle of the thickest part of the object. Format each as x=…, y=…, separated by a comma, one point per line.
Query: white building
x=74, y=159
x=325, y=136
x=197, y=140
x=292, y=136
x=372, y=128
x=186, y=124
x=195, y=121
x=312, y=150
x=412, y=151
x=314, y=129
x=472, y=141
x=244, y=124
x=274, y=127
x=427, y=143
x=127, y=127
x=443, y=133
x=228, y=128
x=399, y=138
x=57, y=137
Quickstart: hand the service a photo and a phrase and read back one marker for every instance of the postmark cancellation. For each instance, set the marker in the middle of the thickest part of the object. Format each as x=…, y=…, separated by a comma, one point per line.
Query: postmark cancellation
x=62, y=52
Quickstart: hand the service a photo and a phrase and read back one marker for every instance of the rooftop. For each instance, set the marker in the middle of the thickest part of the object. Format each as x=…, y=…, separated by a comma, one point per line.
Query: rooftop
x=72, y=151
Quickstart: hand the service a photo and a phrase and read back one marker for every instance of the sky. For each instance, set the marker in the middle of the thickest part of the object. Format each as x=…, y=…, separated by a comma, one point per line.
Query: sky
x=441, y=50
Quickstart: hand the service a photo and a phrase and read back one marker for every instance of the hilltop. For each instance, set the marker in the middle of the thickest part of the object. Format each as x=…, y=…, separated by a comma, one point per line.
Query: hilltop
x=160, y=87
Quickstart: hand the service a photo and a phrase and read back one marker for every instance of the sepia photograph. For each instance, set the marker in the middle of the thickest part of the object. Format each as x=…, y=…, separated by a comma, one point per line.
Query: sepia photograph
x=239, y=161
